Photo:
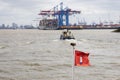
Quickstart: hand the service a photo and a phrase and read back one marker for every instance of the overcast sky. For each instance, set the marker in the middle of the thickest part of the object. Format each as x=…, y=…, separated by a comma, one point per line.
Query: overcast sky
x=25, y=11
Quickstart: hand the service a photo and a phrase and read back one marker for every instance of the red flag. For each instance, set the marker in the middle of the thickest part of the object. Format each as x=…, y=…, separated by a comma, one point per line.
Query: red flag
x=81, y=58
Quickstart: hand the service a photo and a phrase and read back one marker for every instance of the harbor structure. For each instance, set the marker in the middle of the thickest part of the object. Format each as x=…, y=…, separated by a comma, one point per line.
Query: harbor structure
x=57, y=18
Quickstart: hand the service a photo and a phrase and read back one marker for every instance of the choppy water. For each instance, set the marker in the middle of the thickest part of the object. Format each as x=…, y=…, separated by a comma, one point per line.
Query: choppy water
x=40, y=55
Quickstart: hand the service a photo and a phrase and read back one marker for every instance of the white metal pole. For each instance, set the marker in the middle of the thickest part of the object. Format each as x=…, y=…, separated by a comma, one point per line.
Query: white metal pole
x=73, y=63
x=73, y=55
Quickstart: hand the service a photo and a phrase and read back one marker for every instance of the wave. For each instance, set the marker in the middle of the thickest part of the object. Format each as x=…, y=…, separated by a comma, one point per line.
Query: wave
x=29, y=42
x=3, y=46
x=56, y=40
x=25, y=43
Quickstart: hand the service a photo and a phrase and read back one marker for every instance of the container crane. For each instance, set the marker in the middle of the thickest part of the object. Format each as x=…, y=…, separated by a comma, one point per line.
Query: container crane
x=59, y=12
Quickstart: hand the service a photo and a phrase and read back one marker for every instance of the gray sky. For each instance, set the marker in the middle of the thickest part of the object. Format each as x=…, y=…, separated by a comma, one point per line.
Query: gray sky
x=25, y=11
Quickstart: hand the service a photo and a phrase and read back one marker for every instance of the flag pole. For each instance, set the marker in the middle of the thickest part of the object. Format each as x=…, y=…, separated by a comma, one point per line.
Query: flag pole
x=73, y=45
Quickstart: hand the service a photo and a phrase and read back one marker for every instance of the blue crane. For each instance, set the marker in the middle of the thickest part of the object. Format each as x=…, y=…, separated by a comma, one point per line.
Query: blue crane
x=59, y=12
